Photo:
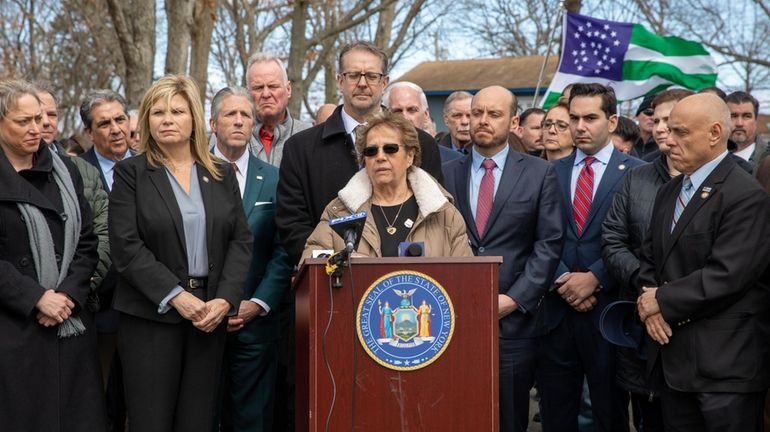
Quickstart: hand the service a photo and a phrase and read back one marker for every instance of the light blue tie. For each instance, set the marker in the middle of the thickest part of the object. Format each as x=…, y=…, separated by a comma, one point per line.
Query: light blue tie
x=681, y=201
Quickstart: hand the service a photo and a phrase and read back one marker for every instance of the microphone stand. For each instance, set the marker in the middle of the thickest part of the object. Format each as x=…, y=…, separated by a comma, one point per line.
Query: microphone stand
x=337, y=262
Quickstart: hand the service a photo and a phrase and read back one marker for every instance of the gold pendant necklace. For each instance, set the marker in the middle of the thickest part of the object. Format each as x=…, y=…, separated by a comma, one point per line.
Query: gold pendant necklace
x=390, y=228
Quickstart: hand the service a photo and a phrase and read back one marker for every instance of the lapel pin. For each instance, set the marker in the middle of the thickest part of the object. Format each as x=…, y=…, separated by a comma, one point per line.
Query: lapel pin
x=706, y=192
x=259, y=177
x=205, y=179
x=704, y=195
x=622, y=167
x=408, y=223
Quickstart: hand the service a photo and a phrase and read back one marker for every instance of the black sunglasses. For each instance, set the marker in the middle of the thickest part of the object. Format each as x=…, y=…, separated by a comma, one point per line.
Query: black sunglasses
x=371, y=151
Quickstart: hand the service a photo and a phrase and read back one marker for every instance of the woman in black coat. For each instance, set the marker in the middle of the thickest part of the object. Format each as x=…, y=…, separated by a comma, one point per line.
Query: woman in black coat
x=49, y=373
x=182, y=250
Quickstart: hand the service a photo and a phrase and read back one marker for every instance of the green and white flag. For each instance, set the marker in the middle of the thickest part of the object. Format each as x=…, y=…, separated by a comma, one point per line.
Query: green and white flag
x=629, y=58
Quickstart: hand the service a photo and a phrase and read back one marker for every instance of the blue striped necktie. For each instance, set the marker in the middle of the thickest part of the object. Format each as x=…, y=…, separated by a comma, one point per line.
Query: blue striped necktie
x=681, y=201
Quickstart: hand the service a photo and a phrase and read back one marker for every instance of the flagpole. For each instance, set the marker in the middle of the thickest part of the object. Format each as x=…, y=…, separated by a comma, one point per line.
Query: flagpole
x=548, y=52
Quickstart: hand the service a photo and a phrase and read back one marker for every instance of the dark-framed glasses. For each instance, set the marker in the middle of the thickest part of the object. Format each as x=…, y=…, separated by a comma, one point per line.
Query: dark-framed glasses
x=560, y=125
x=371, y=151
x=355, y=77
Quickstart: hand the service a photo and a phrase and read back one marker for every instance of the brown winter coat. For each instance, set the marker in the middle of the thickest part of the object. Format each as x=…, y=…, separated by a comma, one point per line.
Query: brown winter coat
x=439, y=224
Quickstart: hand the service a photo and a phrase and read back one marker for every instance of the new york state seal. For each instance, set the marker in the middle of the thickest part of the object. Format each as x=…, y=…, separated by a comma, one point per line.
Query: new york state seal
x=405, y=320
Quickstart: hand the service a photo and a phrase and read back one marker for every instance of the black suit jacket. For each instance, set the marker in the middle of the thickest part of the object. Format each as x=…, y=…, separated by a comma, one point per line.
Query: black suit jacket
x=526, y=227
x=712, y=279
x=316, y=164
x=147, y=238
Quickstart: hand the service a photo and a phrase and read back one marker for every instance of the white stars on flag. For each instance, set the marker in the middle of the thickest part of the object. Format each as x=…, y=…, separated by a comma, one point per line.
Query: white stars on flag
x=596, y=44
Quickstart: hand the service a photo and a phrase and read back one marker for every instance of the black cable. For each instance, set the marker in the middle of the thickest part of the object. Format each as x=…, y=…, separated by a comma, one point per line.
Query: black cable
x=355, y=352
x=326, y=358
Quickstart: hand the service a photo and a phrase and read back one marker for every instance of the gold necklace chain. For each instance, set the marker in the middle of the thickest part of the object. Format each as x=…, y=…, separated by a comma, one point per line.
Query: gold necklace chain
x=390, y=228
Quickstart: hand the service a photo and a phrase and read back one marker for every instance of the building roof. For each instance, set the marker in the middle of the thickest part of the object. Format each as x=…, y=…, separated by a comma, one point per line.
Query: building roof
x=519, y=74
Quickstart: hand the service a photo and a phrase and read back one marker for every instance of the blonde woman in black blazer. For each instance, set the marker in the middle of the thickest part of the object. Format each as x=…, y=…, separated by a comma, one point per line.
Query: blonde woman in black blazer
x=176, y=283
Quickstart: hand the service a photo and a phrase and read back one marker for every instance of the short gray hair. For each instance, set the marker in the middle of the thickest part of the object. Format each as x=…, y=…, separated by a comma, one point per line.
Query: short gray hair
x=11, y=91
x=96, y=98
x=265, y=57
x=216, y=103
x=404, y=84
x=43, y=86
x=458, y=95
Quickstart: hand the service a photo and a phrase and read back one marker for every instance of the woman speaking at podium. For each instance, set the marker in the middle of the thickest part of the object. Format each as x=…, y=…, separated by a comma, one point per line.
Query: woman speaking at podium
x=403, y=202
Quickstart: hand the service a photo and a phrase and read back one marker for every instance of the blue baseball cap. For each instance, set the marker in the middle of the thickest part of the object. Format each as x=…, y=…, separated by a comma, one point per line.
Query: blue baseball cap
x=620, y=324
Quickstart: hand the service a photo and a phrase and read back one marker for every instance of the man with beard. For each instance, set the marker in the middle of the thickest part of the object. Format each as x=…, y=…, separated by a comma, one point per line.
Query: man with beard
x=744, y=109
x=513, y=208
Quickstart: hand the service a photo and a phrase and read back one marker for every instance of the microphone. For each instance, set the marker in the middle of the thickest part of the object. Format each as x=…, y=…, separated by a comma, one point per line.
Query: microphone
x=350, y=229
x=411, y=249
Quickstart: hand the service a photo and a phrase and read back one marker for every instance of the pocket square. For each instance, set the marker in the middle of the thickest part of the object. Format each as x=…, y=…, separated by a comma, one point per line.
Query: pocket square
x=261, y=203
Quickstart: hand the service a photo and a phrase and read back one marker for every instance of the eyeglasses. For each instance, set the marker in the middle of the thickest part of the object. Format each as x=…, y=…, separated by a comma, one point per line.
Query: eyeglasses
x=560, y=125
x=355, y=77
x=648, y=112
x=371, y=151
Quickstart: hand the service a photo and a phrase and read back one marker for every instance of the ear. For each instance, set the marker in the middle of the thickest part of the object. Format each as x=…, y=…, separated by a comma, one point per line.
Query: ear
x=288, y=89
x=514, y=126
x=613, y=120
x=213, y=126
x=385, y=81
x=716, y=132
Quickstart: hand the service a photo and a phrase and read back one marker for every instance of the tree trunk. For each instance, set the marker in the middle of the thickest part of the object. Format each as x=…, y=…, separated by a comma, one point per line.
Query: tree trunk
x=179, y=18
x=135, y=27
x=330, y=79
x=385, y=26
x=296, y=63
x=205, y=16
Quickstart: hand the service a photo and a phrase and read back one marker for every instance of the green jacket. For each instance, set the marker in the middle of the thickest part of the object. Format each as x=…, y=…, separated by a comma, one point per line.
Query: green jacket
x=97, y=198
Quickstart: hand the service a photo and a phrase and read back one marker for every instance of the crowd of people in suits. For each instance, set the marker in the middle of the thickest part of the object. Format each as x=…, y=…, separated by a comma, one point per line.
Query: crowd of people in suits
x=145, y=284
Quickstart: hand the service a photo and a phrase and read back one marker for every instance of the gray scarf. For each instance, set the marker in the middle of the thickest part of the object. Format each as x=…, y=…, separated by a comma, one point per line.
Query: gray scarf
x=41, y=241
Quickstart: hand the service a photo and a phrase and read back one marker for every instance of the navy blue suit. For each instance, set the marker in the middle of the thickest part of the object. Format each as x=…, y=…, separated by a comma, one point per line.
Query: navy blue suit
x=573, y=345
x=526, y=228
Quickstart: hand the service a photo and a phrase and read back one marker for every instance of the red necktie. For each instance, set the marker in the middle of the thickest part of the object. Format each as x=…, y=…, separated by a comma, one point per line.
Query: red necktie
x=486, y=196
x=584, y=192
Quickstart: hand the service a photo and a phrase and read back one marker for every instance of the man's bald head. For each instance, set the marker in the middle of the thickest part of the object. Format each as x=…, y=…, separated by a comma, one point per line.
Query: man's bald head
x=501, y=94
x=700, y=126
x=493, y=117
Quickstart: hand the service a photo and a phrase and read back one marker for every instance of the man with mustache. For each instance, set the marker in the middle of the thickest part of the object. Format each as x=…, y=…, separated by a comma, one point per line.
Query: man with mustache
x=573, y=347
x=513, y=208
x=744, y=109
x=457, y=117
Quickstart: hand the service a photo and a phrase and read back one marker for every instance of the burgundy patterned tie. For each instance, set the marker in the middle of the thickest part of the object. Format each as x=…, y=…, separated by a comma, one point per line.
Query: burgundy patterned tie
x=486, y=196
x=584, y=193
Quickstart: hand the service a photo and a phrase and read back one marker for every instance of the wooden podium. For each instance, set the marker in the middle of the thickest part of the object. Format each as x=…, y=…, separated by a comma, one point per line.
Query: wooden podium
x=458, y=391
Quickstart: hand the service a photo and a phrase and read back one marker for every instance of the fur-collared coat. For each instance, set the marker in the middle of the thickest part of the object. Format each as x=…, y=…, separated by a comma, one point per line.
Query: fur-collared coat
x=439, y=224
